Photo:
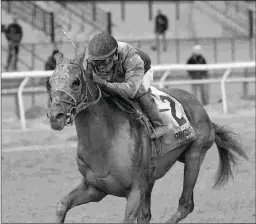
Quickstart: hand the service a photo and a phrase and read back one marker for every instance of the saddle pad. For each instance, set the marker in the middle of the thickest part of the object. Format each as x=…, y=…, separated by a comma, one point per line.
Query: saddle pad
x=174, y=116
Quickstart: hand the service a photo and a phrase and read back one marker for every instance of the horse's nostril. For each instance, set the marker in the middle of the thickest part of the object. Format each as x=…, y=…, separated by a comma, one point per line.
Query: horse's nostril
x=59, y=116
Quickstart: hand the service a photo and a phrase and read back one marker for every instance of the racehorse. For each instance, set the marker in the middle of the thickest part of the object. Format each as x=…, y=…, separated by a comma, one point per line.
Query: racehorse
x=113, y=146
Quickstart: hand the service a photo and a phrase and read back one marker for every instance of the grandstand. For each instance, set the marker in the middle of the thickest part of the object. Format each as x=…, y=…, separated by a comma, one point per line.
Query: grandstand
x=191, y=27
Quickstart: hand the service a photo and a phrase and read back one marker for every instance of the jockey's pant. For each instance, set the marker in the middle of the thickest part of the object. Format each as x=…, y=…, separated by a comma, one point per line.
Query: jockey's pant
x=146, y=82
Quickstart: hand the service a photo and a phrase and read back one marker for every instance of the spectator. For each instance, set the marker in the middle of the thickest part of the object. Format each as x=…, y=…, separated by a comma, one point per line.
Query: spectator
x=161, y=25
x=3, y=28
x=50, y=64
x=197, y=58
x=13, y=35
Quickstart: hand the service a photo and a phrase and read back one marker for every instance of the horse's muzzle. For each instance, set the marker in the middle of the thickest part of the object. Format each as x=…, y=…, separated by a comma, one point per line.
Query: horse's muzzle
x=57, y=121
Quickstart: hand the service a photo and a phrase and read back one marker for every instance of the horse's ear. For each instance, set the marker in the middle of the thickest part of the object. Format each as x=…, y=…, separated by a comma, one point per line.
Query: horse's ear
x=80, y=58
x=89, y=69
x=59, y=56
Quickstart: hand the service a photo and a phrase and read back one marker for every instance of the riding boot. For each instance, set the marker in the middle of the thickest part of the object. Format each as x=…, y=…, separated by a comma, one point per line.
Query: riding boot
x=149, y=106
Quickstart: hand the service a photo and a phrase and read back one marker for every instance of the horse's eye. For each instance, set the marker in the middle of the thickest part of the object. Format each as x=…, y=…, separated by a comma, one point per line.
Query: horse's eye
x=75, y=84
x=48, y=85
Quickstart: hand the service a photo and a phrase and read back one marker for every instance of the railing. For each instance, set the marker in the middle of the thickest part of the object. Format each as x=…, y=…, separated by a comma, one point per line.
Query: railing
x=34, y=56
x=250, y=5
x=237, y=11
x=32, y=14
x=237, y=26
x=232, y=10
x=161, y=83
x=241, y=6
x=28, y=50
x=97, y=20
x=241, y=11
x=215, y=50
x=24, y=63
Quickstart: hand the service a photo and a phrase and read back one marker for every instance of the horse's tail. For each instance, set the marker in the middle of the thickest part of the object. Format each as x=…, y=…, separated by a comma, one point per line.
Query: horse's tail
x=228, y=146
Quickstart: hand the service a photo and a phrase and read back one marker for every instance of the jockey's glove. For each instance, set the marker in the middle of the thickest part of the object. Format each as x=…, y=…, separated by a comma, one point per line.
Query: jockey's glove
x=122, y=89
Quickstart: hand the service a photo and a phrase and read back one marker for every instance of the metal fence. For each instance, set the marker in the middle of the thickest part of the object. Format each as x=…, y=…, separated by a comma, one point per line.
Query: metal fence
x=161, y=83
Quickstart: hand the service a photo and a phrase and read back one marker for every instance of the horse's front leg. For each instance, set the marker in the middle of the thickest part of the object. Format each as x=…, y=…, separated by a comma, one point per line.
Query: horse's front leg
x=82, y=194
x=145, y=212
x=134, y=201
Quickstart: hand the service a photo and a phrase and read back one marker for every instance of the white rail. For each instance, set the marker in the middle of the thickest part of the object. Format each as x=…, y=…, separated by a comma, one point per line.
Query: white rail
x=162, y=83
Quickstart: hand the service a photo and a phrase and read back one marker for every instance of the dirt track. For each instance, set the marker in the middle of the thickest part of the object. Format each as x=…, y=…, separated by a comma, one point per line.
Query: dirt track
x=33, y=181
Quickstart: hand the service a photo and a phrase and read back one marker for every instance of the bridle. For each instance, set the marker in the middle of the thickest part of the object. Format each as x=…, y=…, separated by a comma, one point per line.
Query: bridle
x=76, y=108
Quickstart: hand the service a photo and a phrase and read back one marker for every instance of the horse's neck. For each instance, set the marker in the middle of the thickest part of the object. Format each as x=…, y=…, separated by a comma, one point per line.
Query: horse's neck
x=96, y=124
x=103, y=131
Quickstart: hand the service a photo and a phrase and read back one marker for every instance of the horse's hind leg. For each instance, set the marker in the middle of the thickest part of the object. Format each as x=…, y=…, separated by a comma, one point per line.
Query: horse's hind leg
x=82, y=194
x=145, y=210
x=193, y=159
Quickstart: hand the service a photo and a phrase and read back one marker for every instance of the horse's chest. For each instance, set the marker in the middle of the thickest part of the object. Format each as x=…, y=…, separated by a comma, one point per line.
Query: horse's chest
x=101, y=178
x=97, y=168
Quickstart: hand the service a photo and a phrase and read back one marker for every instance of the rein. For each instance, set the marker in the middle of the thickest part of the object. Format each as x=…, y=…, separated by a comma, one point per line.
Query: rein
x=77, y=108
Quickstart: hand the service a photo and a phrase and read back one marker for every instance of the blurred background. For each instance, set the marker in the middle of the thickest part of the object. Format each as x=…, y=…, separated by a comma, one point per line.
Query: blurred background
x=224, y=31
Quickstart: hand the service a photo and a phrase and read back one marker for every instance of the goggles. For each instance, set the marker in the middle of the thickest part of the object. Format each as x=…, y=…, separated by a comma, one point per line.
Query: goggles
x=104, y=62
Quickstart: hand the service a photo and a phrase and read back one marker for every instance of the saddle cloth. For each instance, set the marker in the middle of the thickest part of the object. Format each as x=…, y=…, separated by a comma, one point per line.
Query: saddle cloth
x=173, y=115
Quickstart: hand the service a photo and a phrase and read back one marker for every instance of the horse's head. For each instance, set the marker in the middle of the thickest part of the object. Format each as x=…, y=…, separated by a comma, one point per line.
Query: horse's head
x=68, y=90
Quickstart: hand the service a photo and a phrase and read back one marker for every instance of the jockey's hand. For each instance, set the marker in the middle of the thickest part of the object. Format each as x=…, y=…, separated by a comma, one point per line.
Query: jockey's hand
x=97, y=79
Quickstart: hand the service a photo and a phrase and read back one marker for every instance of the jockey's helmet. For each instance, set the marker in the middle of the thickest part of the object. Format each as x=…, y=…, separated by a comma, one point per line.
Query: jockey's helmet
x=102, y=53
x=102, y=47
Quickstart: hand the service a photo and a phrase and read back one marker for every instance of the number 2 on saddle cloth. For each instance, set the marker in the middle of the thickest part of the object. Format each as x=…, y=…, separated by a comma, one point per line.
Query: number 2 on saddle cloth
x=181, y=120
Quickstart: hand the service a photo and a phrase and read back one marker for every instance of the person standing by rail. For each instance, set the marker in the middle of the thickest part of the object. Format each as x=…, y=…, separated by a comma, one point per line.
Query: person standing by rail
x=195, y=59
x=161, y=26
x=14, y=35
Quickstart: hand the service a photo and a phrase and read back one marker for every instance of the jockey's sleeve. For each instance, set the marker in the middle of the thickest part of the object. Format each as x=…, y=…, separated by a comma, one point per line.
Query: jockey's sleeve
x=134, y=72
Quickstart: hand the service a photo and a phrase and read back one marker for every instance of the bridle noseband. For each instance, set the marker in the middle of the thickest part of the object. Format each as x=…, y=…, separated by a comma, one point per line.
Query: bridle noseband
x=76, y=108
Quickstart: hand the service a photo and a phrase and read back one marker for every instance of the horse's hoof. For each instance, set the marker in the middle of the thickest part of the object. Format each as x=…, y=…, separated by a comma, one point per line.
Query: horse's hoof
x=175, y=218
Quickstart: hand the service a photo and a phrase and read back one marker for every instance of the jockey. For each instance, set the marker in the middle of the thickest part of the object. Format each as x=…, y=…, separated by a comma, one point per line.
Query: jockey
x=118, y=67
